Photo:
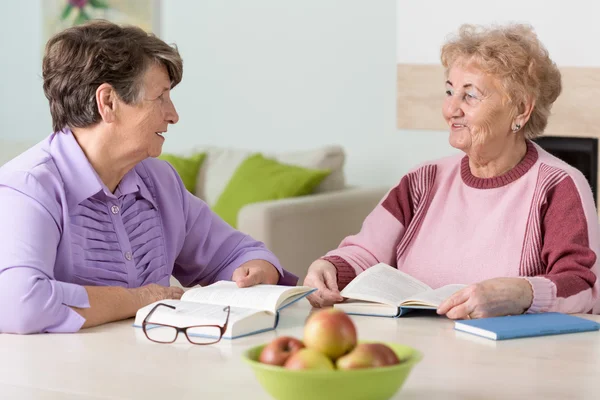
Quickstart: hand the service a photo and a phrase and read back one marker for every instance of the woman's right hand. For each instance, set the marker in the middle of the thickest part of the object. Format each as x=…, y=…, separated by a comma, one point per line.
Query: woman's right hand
x=114, y=303
x=323, y=276
x=150, y=293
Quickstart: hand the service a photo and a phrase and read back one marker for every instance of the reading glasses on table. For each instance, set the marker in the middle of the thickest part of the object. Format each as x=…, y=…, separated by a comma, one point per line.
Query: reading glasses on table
x=196, y=334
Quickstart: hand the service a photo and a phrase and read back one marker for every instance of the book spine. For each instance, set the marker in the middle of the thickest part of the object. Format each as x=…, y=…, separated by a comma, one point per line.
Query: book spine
x=545, y=332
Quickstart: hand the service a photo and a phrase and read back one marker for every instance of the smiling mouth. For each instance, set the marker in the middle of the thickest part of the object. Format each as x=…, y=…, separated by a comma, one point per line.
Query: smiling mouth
x=458, y=126
x=161, y=134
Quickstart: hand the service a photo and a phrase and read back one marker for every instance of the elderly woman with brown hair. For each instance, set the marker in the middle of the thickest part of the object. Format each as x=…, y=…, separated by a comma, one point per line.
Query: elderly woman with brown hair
x=513, y=222
x=92, y=225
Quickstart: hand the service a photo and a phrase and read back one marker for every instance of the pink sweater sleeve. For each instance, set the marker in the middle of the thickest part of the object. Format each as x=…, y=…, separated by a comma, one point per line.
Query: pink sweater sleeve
x=569, y=252
x=378, y=238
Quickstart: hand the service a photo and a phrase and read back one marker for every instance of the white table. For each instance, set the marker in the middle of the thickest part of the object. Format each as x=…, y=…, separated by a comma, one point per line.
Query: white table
x=116, y=361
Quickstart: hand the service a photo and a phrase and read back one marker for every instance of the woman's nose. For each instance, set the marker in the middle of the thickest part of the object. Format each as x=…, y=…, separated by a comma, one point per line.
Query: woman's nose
x=453, y=106
x=172, y=116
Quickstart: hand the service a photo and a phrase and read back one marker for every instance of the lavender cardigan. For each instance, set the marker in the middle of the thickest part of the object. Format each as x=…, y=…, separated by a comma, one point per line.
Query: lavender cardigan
x=61, y=229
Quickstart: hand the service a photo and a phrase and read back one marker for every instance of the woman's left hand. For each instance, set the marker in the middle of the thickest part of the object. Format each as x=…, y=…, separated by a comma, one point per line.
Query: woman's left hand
x=491, y=298
x=255, y=272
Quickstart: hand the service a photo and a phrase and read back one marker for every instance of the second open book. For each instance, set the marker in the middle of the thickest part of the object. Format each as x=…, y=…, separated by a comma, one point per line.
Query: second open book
x=387, y=292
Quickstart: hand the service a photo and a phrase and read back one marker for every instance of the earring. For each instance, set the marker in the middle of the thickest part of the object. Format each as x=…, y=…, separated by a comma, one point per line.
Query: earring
x=516, y=128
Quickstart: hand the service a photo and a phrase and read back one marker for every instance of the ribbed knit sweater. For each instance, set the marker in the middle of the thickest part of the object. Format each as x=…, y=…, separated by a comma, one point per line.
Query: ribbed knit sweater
x=443, y=225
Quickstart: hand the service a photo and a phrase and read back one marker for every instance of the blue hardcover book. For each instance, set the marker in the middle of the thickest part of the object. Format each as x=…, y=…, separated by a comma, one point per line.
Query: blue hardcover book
x=252, y=310
x=525, y=325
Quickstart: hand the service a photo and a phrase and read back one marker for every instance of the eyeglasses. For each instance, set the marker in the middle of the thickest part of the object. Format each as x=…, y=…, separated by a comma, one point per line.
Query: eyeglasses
x=197, y=334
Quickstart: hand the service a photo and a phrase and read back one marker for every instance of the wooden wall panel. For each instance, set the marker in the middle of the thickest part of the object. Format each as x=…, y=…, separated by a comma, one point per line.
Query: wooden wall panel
x=420, y=92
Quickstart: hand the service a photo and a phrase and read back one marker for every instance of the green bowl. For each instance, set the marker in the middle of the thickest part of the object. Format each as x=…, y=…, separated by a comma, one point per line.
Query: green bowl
x=369, y=383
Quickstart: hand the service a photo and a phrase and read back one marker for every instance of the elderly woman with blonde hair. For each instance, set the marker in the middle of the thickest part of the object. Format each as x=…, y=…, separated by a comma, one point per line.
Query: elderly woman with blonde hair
x=93, y=226
x=513, y=222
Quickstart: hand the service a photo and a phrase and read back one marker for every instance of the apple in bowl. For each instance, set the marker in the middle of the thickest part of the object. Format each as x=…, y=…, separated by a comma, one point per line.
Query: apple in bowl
x=279, y=350
x=309, y=359
x=331, y=332
x=368, y=355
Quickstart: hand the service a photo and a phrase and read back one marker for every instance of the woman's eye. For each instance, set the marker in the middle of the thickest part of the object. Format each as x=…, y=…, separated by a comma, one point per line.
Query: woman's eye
x=448, y=93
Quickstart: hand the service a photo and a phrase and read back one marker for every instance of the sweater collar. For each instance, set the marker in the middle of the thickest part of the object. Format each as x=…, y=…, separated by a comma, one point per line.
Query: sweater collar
x=512, y=175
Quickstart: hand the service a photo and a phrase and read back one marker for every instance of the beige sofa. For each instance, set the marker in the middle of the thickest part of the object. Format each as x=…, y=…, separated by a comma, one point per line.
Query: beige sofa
x=301, y=229
x=298, y=230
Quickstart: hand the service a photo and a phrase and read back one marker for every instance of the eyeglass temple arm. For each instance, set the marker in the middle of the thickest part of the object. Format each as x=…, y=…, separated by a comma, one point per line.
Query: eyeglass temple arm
x=228, y=310
x=154, y=309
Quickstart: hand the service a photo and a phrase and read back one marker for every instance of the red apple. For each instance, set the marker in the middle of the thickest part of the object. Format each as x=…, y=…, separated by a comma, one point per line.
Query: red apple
x=331, y=332
x=279, y=350
x=309, y=359
x=368, y=355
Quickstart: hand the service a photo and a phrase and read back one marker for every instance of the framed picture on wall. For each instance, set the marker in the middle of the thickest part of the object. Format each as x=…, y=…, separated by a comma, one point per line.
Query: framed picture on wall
x=62, y=14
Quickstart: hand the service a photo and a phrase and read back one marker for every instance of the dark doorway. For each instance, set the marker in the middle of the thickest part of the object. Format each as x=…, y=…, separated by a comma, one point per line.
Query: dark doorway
x=581, y=153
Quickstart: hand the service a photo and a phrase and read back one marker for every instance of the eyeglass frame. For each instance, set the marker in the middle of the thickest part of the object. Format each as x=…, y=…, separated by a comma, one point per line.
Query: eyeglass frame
x=222, y=329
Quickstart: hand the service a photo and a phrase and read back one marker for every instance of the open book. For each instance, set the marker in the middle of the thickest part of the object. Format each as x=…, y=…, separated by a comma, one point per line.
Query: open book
x=387, y=292
x=254, y=309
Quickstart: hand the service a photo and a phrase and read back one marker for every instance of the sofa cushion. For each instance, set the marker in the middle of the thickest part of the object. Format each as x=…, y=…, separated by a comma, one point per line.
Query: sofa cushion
x=220, y=164
x=329, y=157
x=259, y=178
x=186, y=167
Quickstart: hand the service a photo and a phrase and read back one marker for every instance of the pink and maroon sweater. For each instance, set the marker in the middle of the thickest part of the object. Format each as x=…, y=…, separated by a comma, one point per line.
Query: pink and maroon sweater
x=443, y=225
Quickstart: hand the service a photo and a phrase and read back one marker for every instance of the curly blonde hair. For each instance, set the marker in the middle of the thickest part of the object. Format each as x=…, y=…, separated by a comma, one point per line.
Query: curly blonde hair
x=515, y=56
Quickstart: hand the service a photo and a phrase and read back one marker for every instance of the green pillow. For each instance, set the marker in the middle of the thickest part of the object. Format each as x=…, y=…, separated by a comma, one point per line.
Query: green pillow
x=260, y=179
x=186, y=167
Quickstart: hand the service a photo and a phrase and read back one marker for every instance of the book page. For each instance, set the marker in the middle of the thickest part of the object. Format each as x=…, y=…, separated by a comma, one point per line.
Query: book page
x=384, y=284
x=261, y=297
x=433, y=297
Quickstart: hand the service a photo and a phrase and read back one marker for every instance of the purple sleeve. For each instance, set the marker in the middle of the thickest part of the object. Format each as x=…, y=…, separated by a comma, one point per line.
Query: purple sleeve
x=213, y=250
x=31, y=300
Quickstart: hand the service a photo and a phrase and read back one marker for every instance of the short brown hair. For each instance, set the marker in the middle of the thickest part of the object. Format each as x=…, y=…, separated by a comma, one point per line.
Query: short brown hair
x=514, y=54
x=79, y=59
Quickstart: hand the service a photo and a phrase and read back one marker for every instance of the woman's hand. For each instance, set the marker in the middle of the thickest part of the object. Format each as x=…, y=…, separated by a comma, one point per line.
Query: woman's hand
x=254, y=272
x=323, y=276
x=150, y=293
x=491, y=298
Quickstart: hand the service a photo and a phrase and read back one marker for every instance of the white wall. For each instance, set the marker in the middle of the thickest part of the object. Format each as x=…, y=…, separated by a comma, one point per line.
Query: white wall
x=262, y=74
x=24, y=111
x=271, y=74
x=569, y=29
x=278, y=75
